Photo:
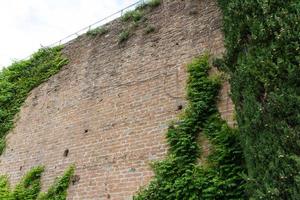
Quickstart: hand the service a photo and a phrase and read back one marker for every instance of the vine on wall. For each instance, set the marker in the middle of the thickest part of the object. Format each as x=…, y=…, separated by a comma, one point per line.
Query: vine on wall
x=19, y=79
x=263, y=60
x=179, y=176
x=30, y=186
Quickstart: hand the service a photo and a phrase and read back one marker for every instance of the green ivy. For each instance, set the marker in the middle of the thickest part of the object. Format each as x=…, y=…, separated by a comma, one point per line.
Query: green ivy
x=19, y=79
x=263, y=59
x=58, y=191
x=4, y=188
x=30, y=186
x=179, y=176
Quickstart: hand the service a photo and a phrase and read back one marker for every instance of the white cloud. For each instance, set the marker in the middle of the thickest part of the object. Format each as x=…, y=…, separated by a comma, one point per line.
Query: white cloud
x=27, y=24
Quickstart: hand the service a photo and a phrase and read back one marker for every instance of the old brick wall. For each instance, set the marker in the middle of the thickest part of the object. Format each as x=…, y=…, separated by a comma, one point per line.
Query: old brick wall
x=111, y=105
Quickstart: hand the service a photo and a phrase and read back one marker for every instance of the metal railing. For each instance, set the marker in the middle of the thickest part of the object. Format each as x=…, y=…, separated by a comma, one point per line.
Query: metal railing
x=97, y=24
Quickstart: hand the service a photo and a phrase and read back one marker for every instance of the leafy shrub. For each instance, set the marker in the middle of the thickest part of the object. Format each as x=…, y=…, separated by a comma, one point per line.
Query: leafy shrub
x=262, y=41
x=97, y=31
x=19, y=79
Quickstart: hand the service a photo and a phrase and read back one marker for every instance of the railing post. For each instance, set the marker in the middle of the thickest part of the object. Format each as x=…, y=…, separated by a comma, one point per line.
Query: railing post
x=142, y=3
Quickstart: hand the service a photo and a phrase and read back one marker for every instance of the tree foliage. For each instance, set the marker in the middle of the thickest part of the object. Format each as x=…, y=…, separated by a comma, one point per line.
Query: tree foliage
x=263, y=44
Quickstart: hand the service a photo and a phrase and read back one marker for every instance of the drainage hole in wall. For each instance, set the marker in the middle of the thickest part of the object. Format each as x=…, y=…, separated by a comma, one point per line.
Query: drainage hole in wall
x=179, y=107
x=66, y=153
x=75, y=179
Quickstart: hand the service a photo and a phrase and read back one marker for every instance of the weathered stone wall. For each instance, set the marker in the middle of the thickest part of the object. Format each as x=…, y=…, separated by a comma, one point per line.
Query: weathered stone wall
x=111, y=105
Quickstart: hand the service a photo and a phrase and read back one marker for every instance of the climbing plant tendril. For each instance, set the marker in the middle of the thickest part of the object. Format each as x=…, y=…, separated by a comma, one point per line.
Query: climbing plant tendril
x=19, y=79
x=180, y=176
x=263, y=59
x=30, y=185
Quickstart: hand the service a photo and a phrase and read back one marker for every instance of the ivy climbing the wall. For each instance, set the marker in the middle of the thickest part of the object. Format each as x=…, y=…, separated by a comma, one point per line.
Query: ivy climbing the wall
x=19, y=79
x=180, y=176
x=263, y=59
x=30, y=186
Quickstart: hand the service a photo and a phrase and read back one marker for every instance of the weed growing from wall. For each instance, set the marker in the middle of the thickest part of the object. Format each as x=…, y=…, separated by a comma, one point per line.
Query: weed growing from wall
x=263, y=44
x=134, y=15
x=123, y=36
x=149, y=29
x=179, y=176
x=19, y=79
x=97, y=31
x=135, y=18
x=30, y=185
x=153, y=3
x=149, y=4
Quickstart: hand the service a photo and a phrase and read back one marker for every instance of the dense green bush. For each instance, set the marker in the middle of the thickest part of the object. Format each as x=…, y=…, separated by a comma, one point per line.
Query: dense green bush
x=179, y=176
x=30, y=186
x=263, y=60
x=19, y=79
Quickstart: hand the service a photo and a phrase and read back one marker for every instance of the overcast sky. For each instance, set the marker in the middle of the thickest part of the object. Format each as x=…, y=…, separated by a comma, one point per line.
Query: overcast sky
x=26, y=24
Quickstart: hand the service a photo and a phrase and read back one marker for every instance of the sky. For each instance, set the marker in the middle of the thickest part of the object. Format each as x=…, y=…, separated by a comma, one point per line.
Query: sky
x=28, y=24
